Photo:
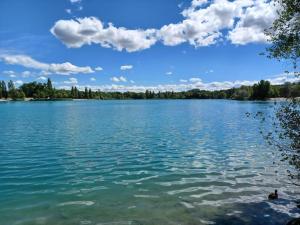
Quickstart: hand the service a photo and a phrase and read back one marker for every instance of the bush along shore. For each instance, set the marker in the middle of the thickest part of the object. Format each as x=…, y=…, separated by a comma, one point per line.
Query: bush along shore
x=35, y=91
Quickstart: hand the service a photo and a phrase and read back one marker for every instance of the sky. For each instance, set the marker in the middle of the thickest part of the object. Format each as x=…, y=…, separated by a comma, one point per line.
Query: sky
x=134, y=45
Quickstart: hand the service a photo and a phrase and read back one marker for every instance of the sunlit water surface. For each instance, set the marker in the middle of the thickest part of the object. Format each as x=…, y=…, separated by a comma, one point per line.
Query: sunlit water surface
x=138, y=162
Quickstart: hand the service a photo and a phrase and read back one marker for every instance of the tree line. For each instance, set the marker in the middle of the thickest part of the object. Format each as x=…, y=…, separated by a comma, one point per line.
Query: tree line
x=43, y=91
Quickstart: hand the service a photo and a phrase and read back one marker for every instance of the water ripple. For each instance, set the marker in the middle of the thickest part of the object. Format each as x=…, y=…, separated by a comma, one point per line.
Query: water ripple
x=137, y=162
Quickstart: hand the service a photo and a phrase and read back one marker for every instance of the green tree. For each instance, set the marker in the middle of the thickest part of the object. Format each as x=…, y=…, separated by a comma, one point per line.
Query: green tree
x=4, y=90
x=285, y=32
x=11, y=89
x=285, y=38
x=86, y=93
x=261, y=91
x=50, y=88
x=242, y=93
x=1, y=90
x=49, y=84
x=14, y=93
x=90, y=93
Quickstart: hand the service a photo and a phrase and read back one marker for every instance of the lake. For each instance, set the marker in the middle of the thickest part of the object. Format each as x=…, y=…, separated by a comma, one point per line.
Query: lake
x=139, y=162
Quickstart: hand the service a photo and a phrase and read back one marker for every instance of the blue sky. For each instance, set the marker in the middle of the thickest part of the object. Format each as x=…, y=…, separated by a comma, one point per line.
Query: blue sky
x=137, y=44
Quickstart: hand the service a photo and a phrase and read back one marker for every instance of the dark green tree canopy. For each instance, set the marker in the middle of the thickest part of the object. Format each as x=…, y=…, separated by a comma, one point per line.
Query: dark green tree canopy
x=261, y=91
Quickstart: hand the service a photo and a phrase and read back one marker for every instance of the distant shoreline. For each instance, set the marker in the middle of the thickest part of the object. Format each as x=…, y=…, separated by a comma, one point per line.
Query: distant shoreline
x=86, y=99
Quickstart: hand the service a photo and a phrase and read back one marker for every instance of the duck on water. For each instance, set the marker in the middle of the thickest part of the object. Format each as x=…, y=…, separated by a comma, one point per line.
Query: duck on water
x=273, y=196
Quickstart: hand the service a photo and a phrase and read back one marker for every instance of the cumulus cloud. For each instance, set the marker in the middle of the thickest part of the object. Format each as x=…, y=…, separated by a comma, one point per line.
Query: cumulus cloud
x=253, y=22
x=26, y=74
x=66, y=68
x=71, y=81
x=18, y=82
x=92, y=79
x=169, y=73
x=196, y=3
x=98, y=68
x=126, y=67
x=90, y=30
x=10, y=73
x=122, y=79
x=204, y=23
x=280, y=79
x=42, y=78
x=118, y=79
x=283, y=78
x=69, y=11
x=77, y=4
x=115, y=79
x=75, y=1
x=195, y=79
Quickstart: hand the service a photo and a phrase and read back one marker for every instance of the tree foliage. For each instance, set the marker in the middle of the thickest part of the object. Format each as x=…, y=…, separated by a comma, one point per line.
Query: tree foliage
x=45, y=91
x=285, y=37
x=261, y=90
x=284, y=133
x=285, y=32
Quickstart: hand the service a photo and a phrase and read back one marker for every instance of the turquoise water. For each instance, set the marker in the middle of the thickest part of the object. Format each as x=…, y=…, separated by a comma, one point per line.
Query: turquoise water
x=138, y=162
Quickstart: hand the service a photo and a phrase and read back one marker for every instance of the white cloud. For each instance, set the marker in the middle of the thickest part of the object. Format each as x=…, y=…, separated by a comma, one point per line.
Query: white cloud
x=169, y=73
x=26, y=74
x=183, y=81
x=18, y=82
x=188, y=86
x=77, y=4
x=42, y=78
x=69, y=11
x=10, y=73
x=66, y=68
x=118, y=79
x=204, y=23
x=98, y=68
x=115, y=79
x=75, y=1
x=132, y=81
x=195, y=79
x=253, y=22
x=203, y=26
x=283, y=78
x=123, y=79
x=45, y=73
x=180, y=5
x=196, y=3
x=92, y=79
x=90, y=30
x=71, y=80
x=126, y=67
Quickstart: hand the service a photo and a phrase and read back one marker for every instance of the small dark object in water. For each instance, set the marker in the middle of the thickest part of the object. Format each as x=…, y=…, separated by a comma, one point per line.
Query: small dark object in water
x=273, y=196
x=294, y=222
